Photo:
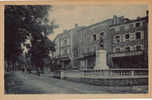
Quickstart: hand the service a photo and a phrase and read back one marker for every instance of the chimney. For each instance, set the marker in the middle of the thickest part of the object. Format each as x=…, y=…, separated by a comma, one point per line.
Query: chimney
x=76, y=25
x=138, y=18
x=65, y=31
x=118, y=20
x=114, y=19
x=147, y=13
x=121, y=19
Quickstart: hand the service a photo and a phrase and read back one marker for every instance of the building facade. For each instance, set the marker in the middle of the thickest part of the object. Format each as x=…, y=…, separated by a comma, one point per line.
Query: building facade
x=63, y=48
x=125, y=41
x=130, y=43
x=90, y=39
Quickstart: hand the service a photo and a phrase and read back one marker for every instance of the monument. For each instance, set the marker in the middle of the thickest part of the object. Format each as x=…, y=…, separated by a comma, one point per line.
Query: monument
x=101, y=60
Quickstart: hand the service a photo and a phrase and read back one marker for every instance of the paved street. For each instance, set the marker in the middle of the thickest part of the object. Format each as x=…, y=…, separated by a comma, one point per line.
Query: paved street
x=23, y=83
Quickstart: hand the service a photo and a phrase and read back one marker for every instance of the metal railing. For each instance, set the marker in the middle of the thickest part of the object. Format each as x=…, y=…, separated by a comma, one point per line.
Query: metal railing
x=118, y=72
x=129, y=53
x=111, y=73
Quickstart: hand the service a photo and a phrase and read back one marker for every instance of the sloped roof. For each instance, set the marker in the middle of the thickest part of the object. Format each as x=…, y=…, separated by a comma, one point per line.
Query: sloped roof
x=130, y=21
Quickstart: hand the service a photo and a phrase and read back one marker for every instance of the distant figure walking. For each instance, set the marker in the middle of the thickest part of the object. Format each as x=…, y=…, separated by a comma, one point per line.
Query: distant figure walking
x=23, y=69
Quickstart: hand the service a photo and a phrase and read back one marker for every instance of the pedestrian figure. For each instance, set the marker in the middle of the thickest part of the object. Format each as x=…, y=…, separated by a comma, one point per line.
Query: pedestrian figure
x=23, y=69
x=38, y=71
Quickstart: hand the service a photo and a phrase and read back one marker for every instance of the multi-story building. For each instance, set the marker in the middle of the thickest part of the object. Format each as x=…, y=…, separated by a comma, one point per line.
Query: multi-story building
x=130, y=43
x=91, y=38
x=124, y=40
x=63, y=48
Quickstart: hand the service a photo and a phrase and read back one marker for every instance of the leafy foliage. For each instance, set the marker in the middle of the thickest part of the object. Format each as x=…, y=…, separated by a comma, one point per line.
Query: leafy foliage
x=22, y=21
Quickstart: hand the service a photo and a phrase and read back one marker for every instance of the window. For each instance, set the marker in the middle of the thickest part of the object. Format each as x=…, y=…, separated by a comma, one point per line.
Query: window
x=127, y=48
x=138, y=35
x=112, y=30
x=68, y=50
x=137, y=24
x=76, y=52
x=65, y=42
x=130, y=25
x=68, y=41
x=122, y=28
x=94, y=37
x=117, y=37
x=101, y=45
x=101, y=37
x=118, y=40
x=61, y=43
x=102, y=33
x=65, y=52
x=127, y=27
x=117, y=49
x=127, y=36
x=144, y=23
x=88, y=49
x=101, y=40
x=138, y=48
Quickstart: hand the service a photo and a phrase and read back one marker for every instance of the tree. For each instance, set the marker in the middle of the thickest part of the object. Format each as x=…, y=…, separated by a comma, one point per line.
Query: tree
x=22, y=21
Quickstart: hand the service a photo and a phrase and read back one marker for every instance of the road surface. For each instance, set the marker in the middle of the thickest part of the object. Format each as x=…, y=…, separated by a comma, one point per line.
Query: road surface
x=24, y=83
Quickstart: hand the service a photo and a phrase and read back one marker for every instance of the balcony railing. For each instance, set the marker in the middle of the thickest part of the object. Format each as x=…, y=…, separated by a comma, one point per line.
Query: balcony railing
x=123, y=54
x=89, y=54
x=128, y=42
x=62, y=56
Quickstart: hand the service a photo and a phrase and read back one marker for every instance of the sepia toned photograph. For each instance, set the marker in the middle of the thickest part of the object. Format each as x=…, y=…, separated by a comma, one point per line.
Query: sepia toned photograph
x=76, y=49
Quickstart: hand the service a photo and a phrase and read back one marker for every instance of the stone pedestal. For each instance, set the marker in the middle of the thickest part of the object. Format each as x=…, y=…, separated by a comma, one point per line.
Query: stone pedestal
x=101, y=60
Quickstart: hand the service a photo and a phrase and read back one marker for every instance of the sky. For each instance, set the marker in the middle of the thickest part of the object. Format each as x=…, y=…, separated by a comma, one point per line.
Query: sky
x=66, y=16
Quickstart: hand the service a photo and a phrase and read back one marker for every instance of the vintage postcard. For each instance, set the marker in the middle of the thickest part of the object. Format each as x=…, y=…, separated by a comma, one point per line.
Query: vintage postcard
x=75, y=49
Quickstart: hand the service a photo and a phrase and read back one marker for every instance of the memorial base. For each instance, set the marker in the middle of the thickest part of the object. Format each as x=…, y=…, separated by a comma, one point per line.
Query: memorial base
x=101, y=60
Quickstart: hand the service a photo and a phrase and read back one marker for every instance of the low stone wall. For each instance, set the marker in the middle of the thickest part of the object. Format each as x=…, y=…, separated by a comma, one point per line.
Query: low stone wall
x=111, y=82
x=106, y=77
